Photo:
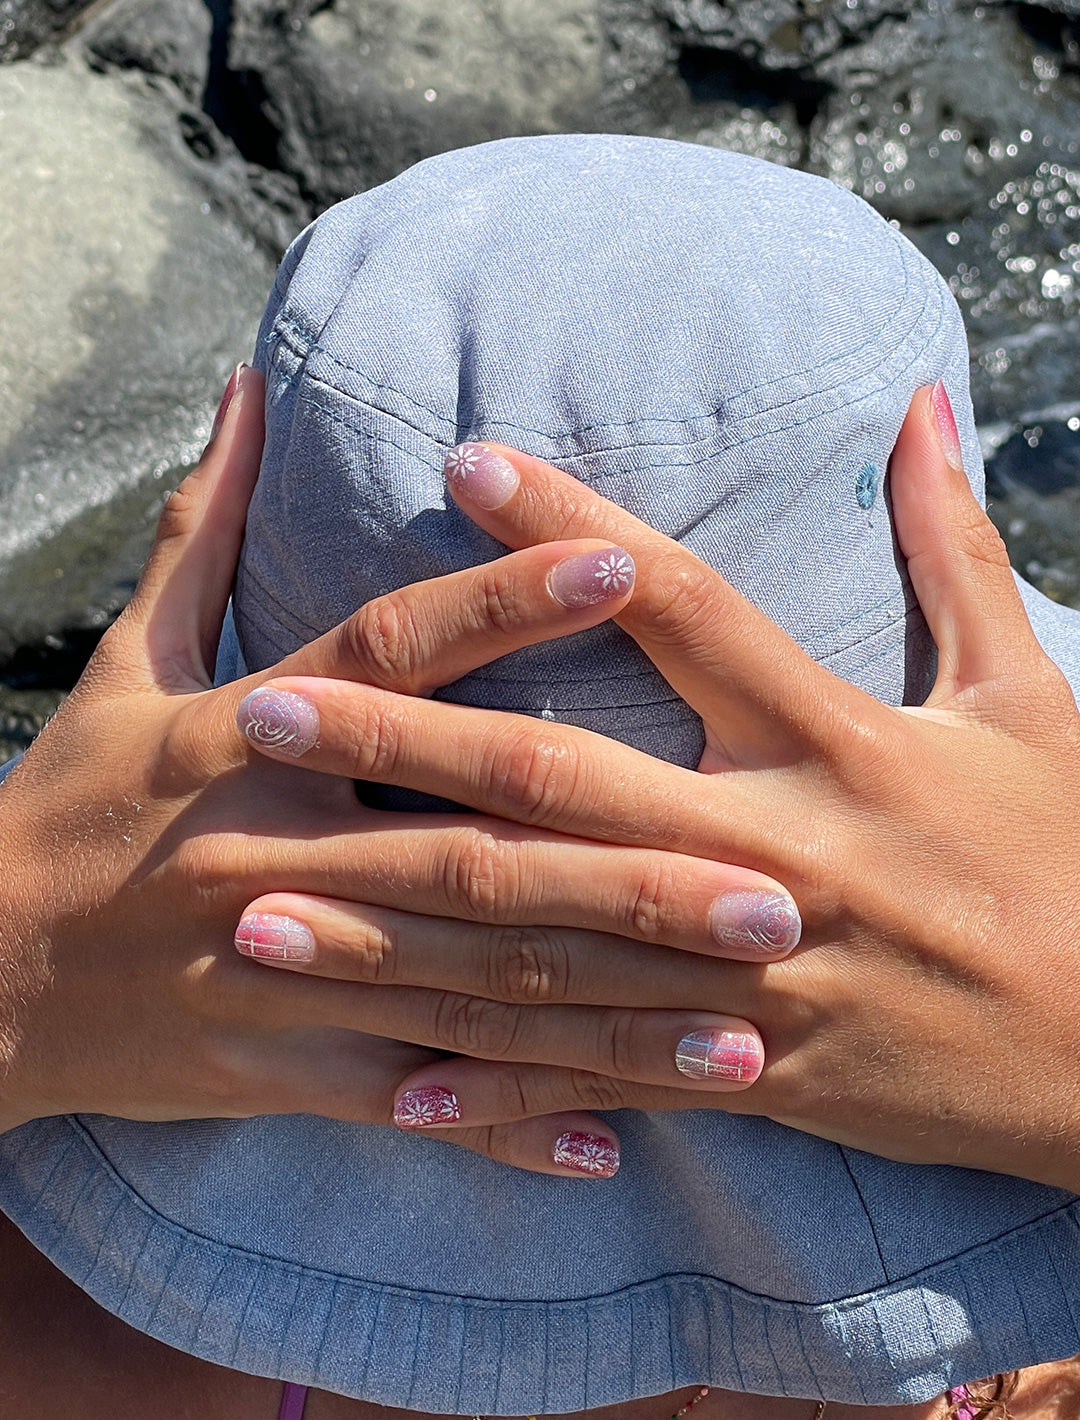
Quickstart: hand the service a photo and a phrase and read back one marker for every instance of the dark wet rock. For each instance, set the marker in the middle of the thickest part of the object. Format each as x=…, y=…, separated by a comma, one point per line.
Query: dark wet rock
x=173, y=40
x=354, y=93
x=26, y=25
x=137, y=295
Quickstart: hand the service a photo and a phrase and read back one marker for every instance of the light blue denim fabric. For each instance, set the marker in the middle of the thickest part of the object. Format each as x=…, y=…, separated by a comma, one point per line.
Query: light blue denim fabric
x=728, y=349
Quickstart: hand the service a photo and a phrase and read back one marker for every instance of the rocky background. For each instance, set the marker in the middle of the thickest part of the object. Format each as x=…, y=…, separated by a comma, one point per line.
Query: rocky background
x=157, y=155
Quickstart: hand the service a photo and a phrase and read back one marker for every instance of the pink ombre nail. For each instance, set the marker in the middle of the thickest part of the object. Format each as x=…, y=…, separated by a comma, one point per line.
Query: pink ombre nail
x=486, y=479
x=756, y=923
x=946, y=426
x=270, y=937
x=278, y=719
x=591, y=578
x=719, y=1055
x=430, y=1104
x=226, y=400
x=587, y=1153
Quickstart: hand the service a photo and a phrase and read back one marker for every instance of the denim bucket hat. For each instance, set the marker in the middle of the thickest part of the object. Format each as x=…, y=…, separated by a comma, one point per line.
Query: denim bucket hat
x=728, y=349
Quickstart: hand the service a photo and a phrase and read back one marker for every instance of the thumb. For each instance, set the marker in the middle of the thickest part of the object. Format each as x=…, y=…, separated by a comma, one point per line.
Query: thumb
x=958, y=564
x=174, y=620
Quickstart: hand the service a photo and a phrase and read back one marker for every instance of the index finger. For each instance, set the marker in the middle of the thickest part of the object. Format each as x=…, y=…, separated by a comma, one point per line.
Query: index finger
x=747, y=679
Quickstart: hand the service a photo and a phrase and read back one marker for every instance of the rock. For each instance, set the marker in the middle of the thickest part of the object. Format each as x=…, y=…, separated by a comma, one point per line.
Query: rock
x=931, y=115
x=362, y=88
x=25, y=25
x=174, y=41
x=136, y=296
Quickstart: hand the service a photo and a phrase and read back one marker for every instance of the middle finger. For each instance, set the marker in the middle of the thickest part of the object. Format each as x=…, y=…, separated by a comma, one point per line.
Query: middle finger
x=519, y=964
x=491, y=871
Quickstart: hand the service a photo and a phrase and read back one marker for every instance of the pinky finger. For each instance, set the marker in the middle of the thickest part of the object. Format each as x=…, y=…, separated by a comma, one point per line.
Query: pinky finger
x=566, y=1145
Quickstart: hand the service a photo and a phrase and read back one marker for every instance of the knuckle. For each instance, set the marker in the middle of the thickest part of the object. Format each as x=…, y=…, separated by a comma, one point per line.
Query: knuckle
x=538, y=772
x=979, y=540
x=382, y=640
x=591, y=1091
x=469, y=1025
x=211, y=868
x=181, y=507
x=501, y=600
x=479, y=874
x=372, y=731
x=681, y=591
x=647, y=907
x=373, y=955
x=618, y=1044
x=528, y=965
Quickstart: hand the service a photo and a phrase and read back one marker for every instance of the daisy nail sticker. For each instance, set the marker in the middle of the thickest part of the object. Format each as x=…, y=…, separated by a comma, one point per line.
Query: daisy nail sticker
x=587, y=1153
x=592, y=578
x=428, y=1105
x=486, y=479
x=278, y=719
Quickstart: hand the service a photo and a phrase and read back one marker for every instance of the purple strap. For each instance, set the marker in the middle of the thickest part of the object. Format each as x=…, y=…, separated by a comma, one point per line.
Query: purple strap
x=293, y=1402
x=959, y=1396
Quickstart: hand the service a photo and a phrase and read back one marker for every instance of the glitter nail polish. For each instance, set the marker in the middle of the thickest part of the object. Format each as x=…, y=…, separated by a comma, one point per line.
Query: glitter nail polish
x=271, y=937
x=755, y=922
x=425, y=1106
x=485, y=478
x=946, y=425
x=591, y=578
x=719, y=1055
x=278, y=719
x=587, y=1153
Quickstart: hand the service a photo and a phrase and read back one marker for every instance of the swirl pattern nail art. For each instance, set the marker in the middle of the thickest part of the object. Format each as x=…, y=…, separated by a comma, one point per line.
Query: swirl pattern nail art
x=756, y=923
x=279, y=720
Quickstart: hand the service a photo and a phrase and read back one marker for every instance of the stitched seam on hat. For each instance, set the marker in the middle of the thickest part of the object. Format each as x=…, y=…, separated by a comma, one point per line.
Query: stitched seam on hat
x=869, y=1216
x=721, y=441
x=1009, y=1237
x=308, y=345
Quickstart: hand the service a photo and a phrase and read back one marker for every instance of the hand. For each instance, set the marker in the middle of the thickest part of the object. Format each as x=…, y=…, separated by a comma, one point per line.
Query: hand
x=141, y=825
x=929, y=1013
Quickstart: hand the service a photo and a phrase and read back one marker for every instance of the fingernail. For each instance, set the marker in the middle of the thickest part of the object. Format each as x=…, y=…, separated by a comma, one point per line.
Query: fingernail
x=226, y=400
x=592, y=577
x=274, y=938
x=278, y=719
x=431, y=1104
x=486, y=479
x=587, y=1153
x=719, y=1055
x=946, y=425
x=758, y=922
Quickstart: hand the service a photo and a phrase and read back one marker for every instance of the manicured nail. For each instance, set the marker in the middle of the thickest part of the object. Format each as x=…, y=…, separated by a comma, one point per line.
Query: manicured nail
x=226, y=400
x=278, y=719
x=421, y=1108
x=587, y=1153
x=486, y=479
x=947, y=430
x=592, y=577
x=719, y=1055
x=274, y=938
x=755, y=921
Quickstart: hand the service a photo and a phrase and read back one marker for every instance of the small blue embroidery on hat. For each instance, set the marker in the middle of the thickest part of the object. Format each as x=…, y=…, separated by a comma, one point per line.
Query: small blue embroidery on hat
x=866, y=485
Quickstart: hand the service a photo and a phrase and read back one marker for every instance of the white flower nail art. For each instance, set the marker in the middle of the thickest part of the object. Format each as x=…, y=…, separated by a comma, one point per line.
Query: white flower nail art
x=463, y=461
x=614, y=571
